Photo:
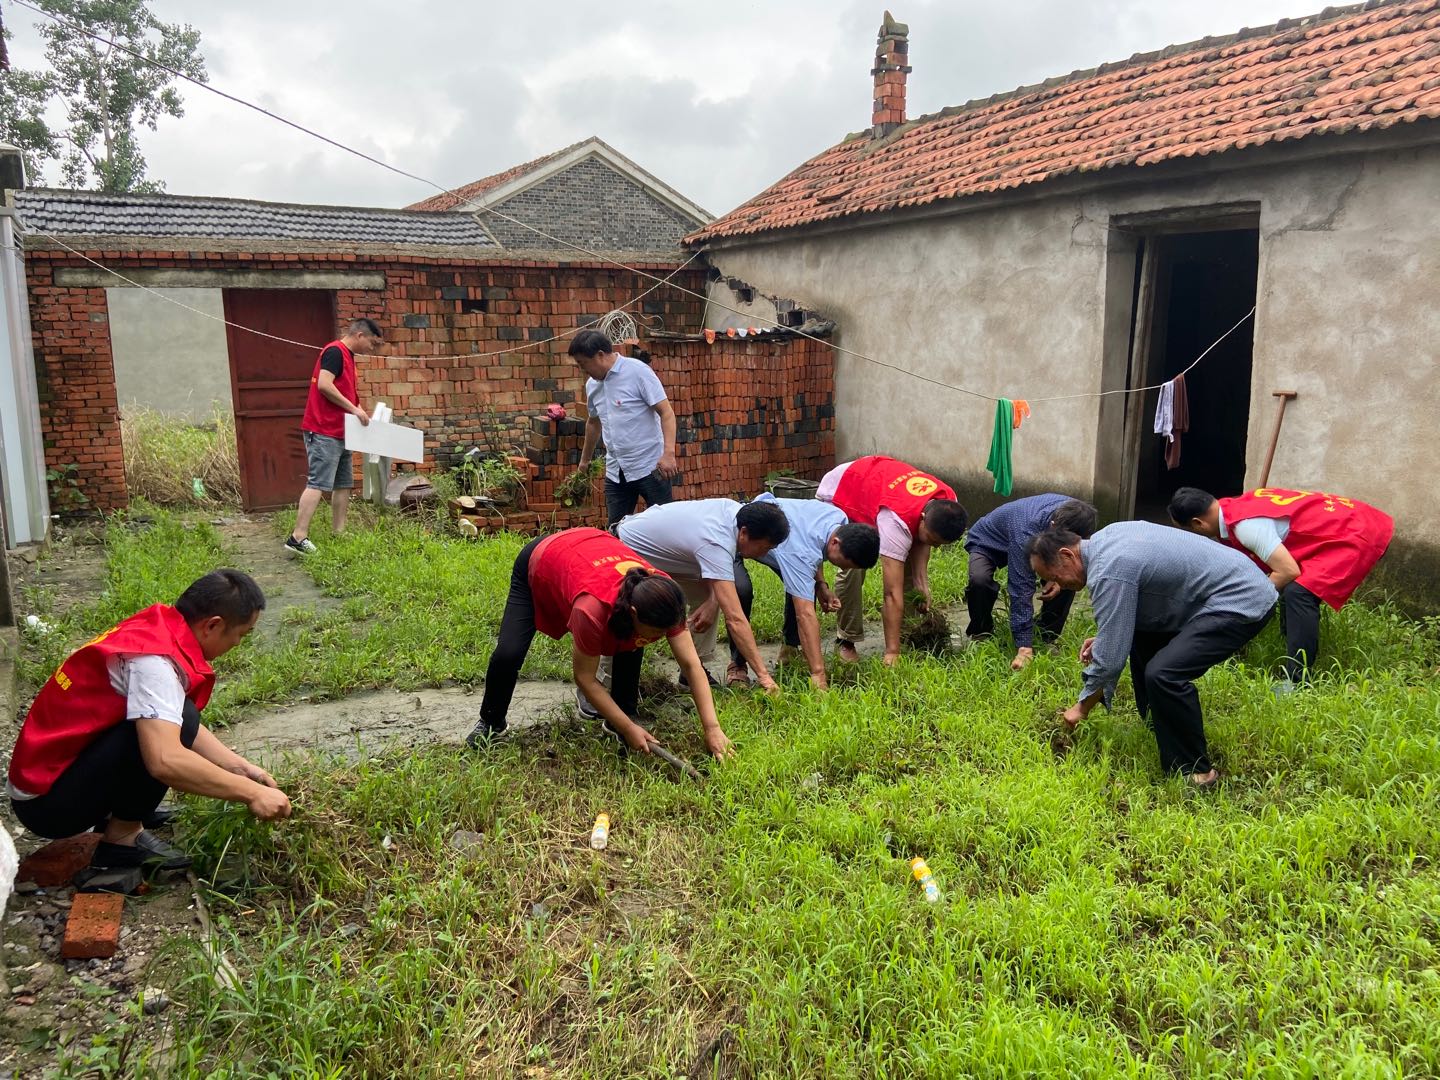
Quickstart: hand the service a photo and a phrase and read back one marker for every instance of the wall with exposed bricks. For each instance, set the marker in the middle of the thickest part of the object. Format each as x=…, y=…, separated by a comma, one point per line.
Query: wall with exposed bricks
x=745, y=407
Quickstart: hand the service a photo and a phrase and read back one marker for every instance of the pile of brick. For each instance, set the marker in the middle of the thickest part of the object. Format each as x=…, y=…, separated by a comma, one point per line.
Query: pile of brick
x=93, y=927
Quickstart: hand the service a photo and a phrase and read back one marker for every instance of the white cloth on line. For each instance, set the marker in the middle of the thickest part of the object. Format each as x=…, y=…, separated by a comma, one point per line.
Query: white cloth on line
x=1165, y=412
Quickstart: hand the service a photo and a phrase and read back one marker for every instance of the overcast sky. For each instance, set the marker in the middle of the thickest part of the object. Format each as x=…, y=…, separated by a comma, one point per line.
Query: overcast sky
x=717, y=99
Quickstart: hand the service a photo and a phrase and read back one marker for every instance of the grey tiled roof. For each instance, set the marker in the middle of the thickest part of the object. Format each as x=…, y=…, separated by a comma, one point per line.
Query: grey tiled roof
x=88, y=213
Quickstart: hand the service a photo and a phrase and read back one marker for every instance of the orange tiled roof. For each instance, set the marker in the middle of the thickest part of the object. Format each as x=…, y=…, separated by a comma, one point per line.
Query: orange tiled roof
x=1365, y=68
x=457, y=198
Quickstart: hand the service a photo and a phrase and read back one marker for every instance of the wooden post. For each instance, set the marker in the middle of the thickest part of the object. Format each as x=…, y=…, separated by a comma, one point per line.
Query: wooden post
x=1284, y=396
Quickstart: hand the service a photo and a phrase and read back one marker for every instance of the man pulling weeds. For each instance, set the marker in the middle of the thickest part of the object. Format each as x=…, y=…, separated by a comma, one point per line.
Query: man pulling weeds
x=1317, y=548
x=914, y=513
x=1174, y=604
x=819, y=533
x=1000, y=539
x=699, y=543
x=118, y=725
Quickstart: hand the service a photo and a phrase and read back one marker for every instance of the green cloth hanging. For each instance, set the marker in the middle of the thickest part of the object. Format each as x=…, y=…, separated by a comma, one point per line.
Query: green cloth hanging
x=999, y=463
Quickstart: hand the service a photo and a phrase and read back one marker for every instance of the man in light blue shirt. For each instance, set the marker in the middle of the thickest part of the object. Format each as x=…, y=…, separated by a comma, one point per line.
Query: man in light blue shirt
x=628, y=409
x=1173, y=603
x=699, y=543
x=819, y=533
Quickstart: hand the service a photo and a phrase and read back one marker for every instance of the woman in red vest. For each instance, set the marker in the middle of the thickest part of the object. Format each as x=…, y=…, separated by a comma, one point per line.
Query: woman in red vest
x=1315, y=547
x=586, y=583
x=119, y=723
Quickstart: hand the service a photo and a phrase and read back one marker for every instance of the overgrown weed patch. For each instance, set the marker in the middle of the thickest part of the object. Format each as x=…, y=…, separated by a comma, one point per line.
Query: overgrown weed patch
x=1095, y=919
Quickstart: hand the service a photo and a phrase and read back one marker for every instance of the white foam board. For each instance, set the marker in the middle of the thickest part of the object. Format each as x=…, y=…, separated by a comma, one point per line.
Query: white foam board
x=385, y=439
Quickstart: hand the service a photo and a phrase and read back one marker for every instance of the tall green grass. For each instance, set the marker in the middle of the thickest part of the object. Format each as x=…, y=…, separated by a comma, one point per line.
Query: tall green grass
x=1096, y=918
x=165, y=455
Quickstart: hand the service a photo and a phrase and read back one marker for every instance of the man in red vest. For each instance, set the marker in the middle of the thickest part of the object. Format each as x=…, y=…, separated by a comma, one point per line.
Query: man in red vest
x=913, y=512
x=1316, y=547
x=334, y=392
x=118, y=724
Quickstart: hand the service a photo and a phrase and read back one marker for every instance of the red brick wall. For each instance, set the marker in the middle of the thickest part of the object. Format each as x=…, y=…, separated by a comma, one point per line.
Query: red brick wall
x=745, y=407
x=78, y=405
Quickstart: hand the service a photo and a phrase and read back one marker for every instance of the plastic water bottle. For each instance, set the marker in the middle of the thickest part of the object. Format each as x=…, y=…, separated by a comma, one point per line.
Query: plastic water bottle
x=926, y=879
x=600, y=834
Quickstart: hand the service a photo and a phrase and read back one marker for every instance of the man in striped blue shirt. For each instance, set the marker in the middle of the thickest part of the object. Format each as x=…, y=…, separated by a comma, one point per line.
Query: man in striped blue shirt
x=999, y=539
x=1176, y=605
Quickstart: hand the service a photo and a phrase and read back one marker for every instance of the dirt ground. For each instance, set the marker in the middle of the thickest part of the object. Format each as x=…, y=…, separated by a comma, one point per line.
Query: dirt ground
x=379, y=720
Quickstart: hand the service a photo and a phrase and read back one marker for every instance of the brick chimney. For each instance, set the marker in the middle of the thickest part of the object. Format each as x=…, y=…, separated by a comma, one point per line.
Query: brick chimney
x=892, y=49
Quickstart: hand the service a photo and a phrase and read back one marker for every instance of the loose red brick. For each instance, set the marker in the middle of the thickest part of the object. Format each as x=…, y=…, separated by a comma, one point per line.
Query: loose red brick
x=93, y=929
x=56, y=863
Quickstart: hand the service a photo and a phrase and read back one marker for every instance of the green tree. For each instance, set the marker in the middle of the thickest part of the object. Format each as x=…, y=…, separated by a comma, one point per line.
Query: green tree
x=23, y=95
x=107, y=91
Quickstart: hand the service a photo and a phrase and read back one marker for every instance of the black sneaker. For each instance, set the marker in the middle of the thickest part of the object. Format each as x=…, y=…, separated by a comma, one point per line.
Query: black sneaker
x=583, y=706
x=483, y=736
x=148, y=851
x=300, y=547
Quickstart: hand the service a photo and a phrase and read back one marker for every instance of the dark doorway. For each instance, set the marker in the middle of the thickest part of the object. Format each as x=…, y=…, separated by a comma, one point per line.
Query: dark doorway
x=270, y=381
x=1192, y=288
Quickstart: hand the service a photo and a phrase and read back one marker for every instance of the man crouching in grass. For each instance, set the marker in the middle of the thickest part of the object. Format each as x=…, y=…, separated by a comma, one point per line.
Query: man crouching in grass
x=1176, y=607
x=118, y=724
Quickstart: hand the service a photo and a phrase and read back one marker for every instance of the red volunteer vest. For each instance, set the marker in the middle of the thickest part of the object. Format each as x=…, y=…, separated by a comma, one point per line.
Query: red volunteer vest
x=322, y=415
x=872, y=484
x=575, y=562
x=1335, y=540
x=78, y=702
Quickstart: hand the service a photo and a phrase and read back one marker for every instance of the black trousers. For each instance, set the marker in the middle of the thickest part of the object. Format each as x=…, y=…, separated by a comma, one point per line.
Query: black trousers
x=746, y=590
x=1300, y=620
x=108, y=779
x=1164, y=667
x=517, y=631
x=981, y=592
x=622, y=497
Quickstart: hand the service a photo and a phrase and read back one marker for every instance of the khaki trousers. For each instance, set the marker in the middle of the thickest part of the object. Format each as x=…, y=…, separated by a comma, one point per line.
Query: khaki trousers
x=696, y=593
x=849, y=587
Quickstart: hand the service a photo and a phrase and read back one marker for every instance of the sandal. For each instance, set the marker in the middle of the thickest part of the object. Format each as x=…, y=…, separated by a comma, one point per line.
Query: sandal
x=1204, y=785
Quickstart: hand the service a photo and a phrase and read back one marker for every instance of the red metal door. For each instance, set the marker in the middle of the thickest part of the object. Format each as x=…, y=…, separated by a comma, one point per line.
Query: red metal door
x=270, y=381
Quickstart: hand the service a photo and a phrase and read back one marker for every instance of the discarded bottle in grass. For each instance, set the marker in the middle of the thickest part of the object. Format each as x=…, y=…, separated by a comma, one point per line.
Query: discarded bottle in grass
x=600, y=835
x=926, y=879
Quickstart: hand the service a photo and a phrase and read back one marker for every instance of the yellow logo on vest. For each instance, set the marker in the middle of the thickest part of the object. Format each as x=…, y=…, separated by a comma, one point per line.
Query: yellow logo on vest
x=1281, y=497
x=623, y=568
x=920, y=486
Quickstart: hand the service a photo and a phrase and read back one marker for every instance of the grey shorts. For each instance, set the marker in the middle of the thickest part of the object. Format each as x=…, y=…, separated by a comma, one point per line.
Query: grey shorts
x=327, y=461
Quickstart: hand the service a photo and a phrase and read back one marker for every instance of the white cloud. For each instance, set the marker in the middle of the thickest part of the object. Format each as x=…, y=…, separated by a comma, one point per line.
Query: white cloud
x=717, y=100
